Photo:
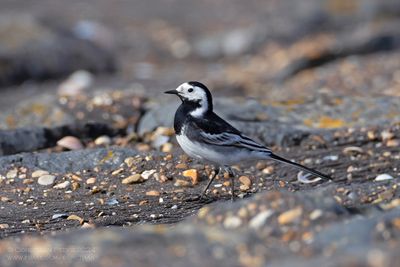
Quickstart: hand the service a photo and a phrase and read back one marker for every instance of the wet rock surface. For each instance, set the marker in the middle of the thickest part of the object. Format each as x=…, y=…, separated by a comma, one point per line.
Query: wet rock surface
x=90, y=171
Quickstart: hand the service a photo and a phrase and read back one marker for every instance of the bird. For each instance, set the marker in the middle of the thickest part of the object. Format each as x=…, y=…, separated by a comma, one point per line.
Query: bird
x=205, y=136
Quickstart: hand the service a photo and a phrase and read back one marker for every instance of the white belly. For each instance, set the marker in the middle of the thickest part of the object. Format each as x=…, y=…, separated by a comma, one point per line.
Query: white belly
x=224, y=155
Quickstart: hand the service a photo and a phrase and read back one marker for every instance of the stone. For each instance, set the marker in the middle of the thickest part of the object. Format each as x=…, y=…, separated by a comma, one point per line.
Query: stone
x=59, y=215
x=232, y=222
x=75, y=218
x=12, y=174
x=182, y=183
x=259, y=220
x=62, y=185
x=147, y=174
x=192, y=174
x=39, y=173
x=129, y=161
x=46, y=179
x=135, y=178
x=70, y=142
x=76, y=83
x=167, y=147
x=181, y=166
x=290, y=215
x=4, y=226
x=103, y=140
x=152, y=193
x=245, y=180
x=383, y=177
x=91, y=180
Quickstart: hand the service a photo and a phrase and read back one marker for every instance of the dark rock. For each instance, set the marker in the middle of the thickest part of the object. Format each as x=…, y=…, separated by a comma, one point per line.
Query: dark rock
x=34, y=50
x=352, y=44
x=68, y=161
x=32, y=139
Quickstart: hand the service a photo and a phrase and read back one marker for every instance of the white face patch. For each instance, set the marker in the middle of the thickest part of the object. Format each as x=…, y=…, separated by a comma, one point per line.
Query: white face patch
x=194, y=93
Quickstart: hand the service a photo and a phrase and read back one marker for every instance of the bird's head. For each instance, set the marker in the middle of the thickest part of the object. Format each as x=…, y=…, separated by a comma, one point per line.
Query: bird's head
x=196, y=95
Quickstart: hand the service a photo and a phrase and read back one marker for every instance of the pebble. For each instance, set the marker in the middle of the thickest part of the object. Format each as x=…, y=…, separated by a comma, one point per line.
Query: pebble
x=290, y=215
x=91, y=180
x=129, y=161
x=161, y=178
x=147, y=174
x=76, y=178
x=70, y=142
x=28, y=181
x=168, y=131
x=46, y=179
x=245, y=181
x=88, y=225
x=12, y=174
x=59, y=215
x=268, y=170
x=167, y=147
x=331, y=158
x=117, y=171
x=259, y=220
x=244, y=187
x=183, y=183
x=386, y=135
x=4, y=226
x=76, y=218
x=315, y=214
x=192, y=174
x=135, y=178
x=75, y=185
x=5, y=199
x=393, y=143
x=76, y=83
x=152, y=193
x=112, y=202
x=232, y=222
x=383, y=177
x=62, y=185
x=103, y=140
x=39, y=173
x=159, y=140
x=353, y=149
x=226, y=183
x=181, y=166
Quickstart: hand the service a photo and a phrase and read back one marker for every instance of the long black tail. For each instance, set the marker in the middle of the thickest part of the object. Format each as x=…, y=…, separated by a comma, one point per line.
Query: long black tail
x=299, y=166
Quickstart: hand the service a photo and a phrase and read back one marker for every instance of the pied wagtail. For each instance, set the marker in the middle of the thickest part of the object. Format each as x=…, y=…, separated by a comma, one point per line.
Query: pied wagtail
x=203, y=135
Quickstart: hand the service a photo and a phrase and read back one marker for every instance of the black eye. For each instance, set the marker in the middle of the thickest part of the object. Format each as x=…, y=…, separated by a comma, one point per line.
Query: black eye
x=190, y=90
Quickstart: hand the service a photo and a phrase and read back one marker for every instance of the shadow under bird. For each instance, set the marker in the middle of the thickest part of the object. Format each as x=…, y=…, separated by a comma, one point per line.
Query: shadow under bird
x=204, y=135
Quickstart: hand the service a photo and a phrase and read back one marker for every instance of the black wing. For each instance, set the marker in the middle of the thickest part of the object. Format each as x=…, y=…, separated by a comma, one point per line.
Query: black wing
x=216, y=131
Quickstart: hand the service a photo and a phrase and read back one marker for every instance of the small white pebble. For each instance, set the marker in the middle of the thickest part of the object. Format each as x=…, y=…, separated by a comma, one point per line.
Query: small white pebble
x=383, y=177
x=331, y=158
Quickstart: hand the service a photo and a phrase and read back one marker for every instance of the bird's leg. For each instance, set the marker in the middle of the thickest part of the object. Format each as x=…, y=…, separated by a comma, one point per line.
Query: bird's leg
x=216, y=172
x=232, y=176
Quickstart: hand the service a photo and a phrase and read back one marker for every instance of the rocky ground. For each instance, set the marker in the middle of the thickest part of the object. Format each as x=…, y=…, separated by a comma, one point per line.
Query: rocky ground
x=90, y=171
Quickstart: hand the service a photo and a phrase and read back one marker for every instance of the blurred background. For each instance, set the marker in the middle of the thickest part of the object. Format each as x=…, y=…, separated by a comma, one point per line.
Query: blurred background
x=284, y=52
x=318, y=81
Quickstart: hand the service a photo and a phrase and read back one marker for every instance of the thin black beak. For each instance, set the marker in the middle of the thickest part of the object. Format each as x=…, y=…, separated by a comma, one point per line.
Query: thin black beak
x=172, y=92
